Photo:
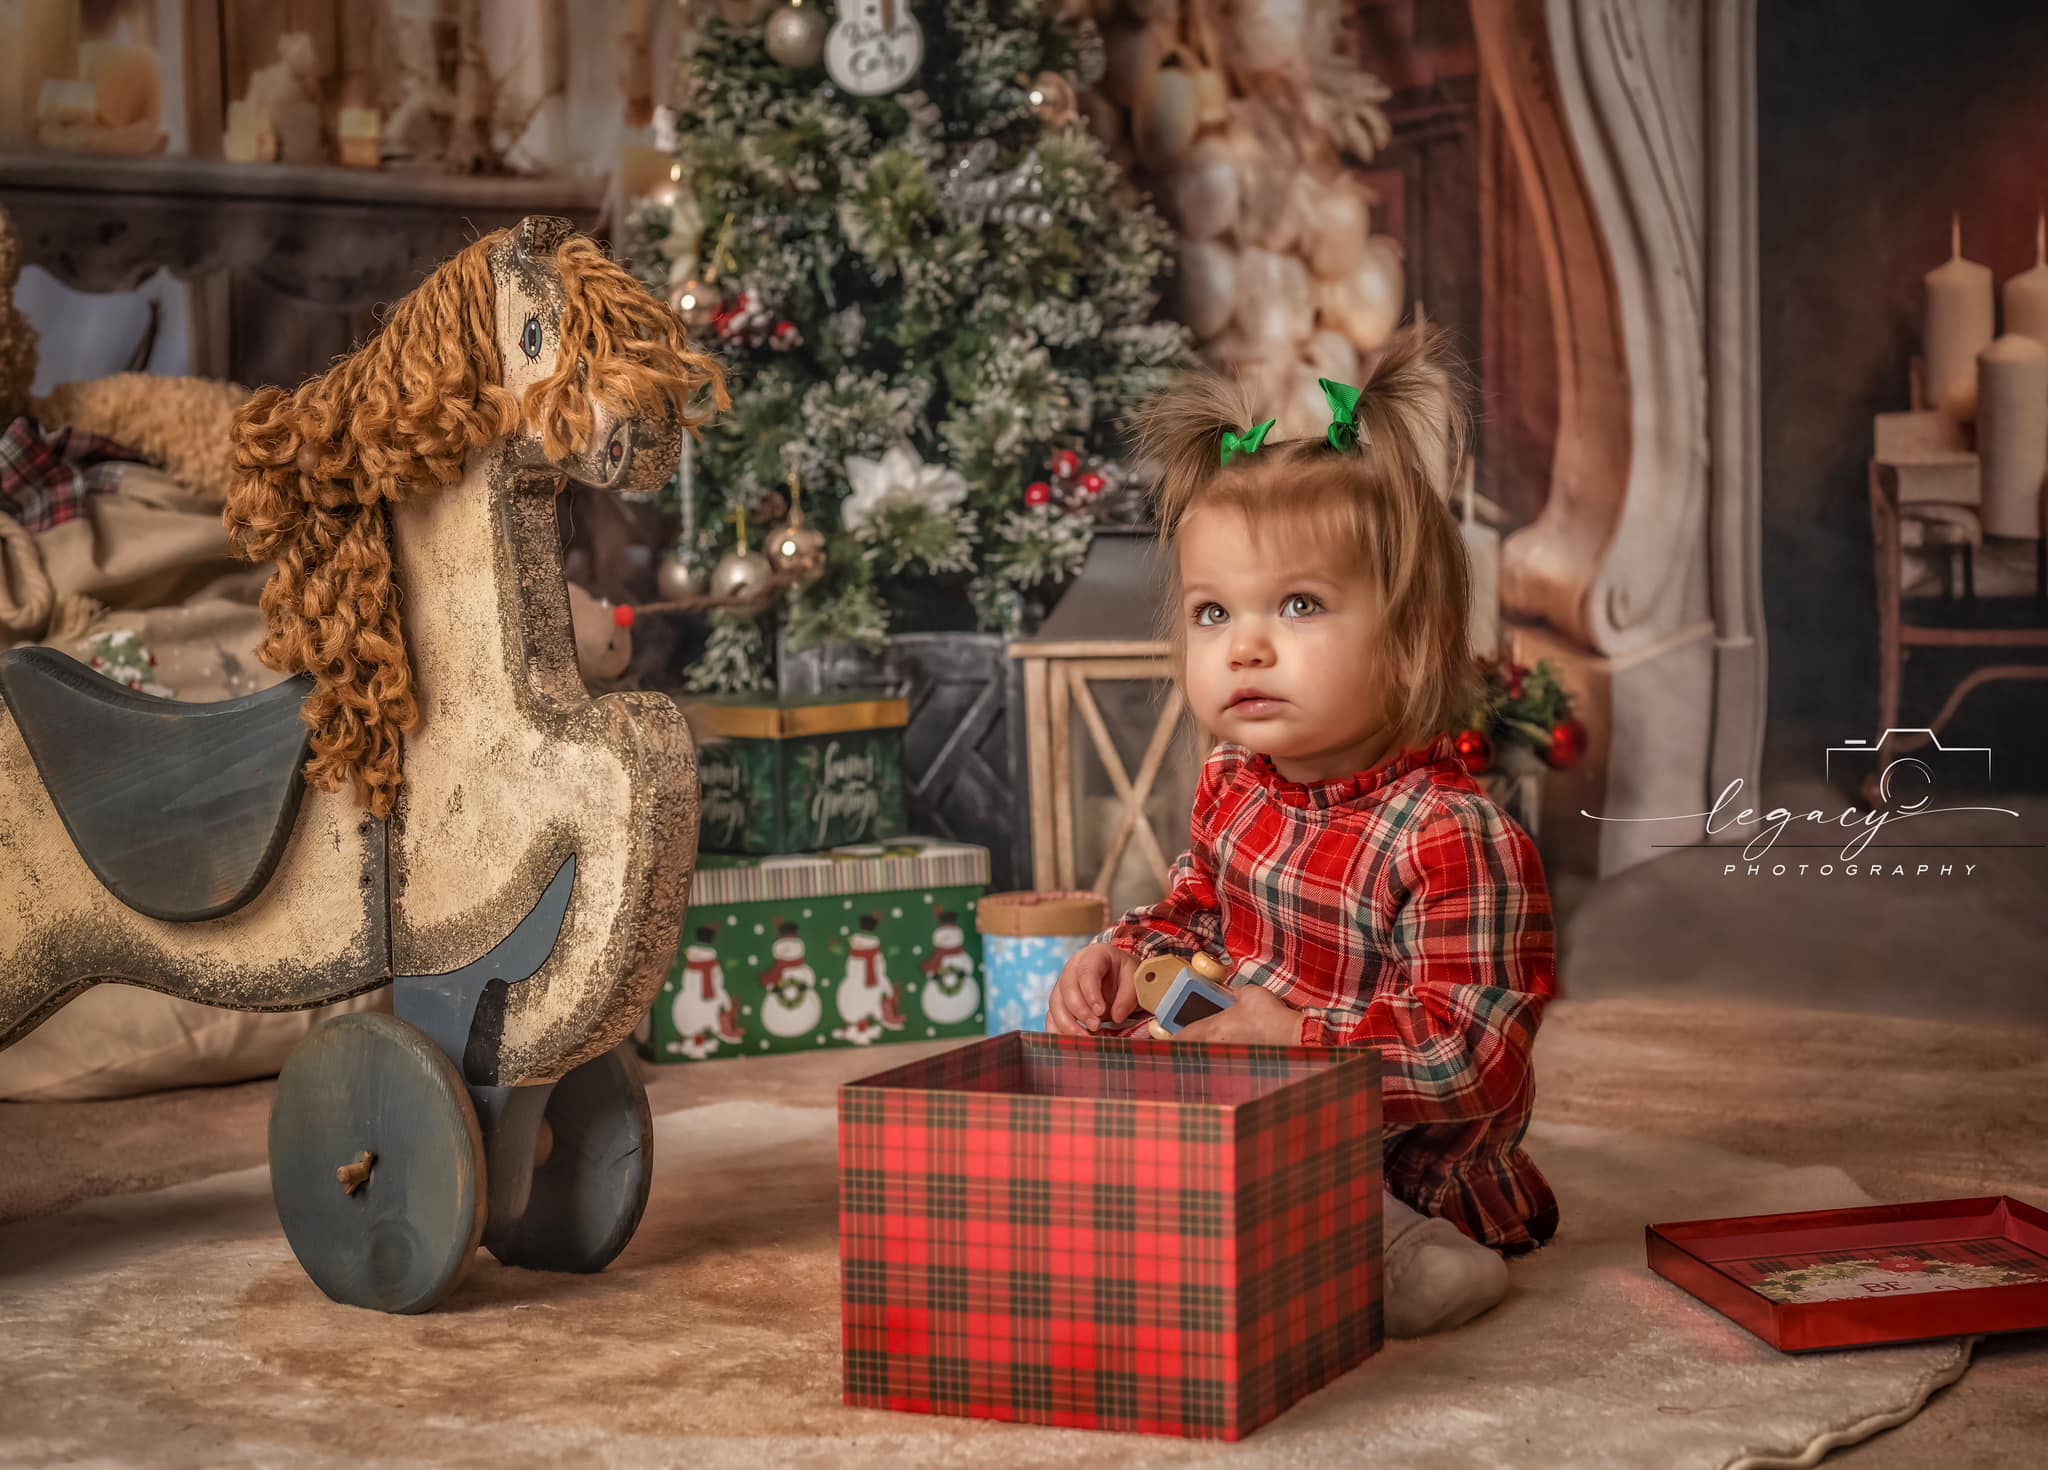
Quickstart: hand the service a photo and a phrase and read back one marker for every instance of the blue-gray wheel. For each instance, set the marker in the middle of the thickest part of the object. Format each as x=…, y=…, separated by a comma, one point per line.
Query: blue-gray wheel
x=596, y=1162
x=377, y=1164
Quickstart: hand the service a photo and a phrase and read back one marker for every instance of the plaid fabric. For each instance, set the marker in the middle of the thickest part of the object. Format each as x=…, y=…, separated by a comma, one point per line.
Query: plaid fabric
x=1108, y=1233
x=1403, y=911
x=45, y=476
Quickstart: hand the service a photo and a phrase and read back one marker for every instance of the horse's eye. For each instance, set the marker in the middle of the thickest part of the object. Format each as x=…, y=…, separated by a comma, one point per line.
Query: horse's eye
x=529, y=340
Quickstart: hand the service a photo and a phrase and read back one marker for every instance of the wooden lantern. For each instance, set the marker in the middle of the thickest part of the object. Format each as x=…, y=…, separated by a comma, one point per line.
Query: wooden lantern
x=1113, y=757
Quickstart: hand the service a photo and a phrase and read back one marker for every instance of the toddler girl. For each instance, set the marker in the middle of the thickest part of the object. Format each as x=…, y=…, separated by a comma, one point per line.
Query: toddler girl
x=1362, y=887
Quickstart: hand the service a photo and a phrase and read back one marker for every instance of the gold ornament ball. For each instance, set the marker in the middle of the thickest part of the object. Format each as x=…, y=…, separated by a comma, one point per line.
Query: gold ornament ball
x=681, y=575
x=698, y=303
x=799, y=549
x=1053, y=100
x=796, y=36
x=740, y=575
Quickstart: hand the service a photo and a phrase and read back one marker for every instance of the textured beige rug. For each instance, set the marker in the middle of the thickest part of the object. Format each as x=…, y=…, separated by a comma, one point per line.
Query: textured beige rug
x=175, y=1327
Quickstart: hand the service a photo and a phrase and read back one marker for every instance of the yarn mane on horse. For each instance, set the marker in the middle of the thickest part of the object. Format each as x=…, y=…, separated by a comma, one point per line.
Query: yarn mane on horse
x=400, y=417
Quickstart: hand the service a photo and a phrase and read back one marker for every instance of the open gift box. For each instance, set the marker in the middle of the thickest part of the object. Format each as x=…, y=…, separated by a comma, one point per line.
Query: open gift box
x=1868, y=1275
x=1110, y=1232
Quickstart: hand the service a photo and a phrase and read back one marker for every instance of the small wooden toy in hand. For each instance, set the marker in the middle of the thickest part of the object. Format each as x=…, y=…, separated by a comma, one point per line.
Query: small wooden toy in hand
x=1179, y=991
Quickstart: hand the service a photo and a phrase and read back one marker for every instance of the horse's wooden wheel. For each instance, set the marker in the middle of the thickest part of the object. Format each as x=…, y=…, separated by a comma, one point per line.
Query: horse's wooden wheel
x=377, y=1164
x=590, y=1188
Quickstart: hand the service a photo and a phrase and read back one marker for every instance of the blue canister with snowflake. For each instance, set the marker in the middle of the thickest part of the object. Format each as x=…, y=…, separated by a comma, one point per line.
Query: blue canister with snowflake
x=1026, y=940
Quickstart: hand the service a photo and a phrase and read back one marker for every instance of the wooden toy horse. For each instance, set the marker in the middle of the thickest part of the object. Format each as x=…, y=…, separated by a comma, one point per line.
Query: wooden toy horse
x=431, y=798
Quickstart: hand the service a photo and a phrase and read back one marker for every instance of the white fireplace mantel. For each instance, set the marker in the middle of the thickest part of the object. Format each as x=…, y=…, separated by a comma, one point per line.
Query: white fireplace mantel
x=1632, y=124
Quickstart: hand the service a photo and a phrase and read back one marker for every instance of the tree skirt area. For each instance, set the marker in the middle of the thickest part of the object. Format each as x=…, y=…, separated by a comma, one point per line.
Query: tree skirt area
x=174, y=1327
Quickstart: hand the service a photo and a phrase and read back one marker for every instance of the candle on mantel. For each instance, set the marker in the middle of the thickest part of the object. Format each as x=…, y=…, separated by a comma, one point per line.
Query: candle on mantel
x=1958, y=327
x=1482, y=561
x=2012, y=434
x=2026, y=294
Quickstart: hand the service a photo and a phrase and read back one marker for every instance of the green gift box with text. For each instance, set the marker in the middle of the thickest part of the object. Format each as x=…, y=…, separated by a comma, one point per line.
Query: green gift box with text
x=784, y=775
x=847, y=947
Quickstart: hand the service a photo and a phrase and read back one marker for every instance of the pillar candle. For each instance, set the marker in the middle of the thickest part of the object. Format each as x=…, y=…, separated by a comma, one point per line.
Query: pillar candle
x=1958, y=327
x=1482, y=562
x=2012, y=433
x=2026, y=294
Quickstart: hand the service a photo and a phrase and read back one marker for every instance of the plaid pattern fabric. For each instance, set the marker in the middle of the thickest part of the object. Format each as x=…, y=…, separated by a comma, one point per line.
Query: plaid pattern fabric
x=45, y=476
x=1403, y=911
x=1109, y=1233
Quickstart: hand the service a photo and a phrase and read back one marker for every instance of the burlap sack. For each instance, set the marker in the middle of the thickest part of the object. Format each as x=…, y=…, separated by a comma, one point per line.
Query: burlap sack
x=152, y=558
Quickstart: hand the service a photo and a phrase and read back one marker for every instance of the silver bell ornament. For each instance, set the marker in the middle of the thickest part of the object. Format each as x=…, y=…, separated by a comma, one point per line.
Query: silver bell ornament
x=740, y=573
x=797, y=548
x=680, y=575
x=796, y=35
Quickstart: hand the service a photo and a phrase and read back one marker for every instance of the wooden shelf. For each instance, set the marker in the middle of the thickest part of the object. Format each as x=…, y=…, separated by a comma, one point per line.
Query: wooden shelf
x=212, y=178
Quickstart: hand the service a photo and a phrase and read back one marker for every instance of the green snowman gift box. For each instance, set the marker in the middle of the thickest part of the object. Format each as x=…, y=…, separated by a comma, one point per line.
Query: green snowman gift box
x=845, y=947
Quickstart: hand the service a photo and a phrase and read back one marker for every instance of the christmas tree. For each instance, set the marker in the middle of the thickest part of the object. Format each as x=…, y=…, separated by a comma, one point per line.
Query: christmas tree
x=937, y=304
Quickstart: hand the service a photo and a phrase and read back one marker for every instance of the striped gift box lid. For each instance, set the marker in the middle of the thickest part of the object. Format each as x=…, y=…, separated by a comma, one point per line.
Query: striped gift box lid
x=877, y=867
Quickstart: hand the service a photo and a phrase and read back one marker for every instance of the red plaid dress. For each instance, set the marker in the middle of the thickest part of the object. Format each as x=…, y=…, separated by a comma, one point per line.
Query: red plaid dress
x=1400, y=909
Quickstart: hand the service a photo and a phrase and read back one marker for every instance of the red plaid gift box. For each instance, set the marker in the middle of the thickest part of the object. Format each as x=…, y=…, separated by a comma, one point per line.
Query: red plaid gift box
x=1109, y=1232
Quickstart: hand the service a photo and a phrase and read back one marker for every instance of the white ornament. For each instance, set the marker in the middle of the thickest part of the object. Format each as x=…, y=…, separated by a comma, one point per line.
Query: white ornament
x=899, y=477
x=874, y=47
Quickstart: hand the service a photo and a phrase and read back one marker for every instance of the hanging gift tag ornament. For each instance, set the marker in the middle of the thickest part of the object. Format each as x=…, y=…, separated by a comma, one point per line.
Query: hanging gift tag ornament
x=874, y=47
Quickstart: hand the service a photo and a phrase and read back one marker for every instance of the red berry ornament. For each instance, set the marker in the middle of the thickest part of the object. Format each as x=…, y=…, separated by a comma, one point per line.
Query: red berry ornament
x=1567, y=744
x=1094, y=484
x=1064, y=463
x=1038, y=494
x=1475, y=751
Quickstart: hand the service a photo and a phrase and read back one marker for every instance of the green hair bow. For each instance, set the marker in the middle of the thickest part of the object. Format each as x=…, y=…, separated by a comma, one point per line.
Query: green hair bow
x=1248, y=442
x=1345, y=434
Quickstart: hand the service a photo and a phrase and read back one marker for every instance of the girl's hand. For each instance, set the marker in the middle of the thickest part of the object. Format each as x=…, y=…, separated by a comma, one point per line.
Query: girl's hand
x=1259, y=1018
x=1098, y=982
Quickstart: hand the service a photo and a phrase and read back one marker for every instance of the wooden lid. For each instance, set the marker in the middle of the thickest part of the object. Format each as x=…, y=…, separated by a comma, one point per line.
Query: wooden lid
x=1036, y=915
x=754, y=717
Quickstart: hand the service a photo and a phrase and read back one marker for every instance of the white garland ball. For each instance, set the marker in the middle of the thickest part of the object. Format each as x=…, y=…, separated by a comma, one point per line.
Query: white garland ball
x=1204, y=193
x=1274, y=306
x=1366, y=304
x=1269, y=35
x=1205, y=292
x=1332, y=356
x=1266, y=166
x=1336, y=230
x=1166, y=119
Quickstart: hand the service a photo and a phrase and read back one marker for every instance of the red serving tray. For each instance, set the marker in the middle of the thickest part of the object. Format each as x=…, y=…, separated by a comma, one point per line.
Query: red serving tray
x=1854, y=1278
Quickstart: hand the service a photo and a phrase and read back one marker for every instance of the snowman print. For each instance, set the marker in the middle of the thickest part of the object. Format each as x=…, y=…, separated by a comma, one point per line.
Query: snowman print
x=867, y=997
x=790, y=1006
x=951, y=993
x=703, y=1012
